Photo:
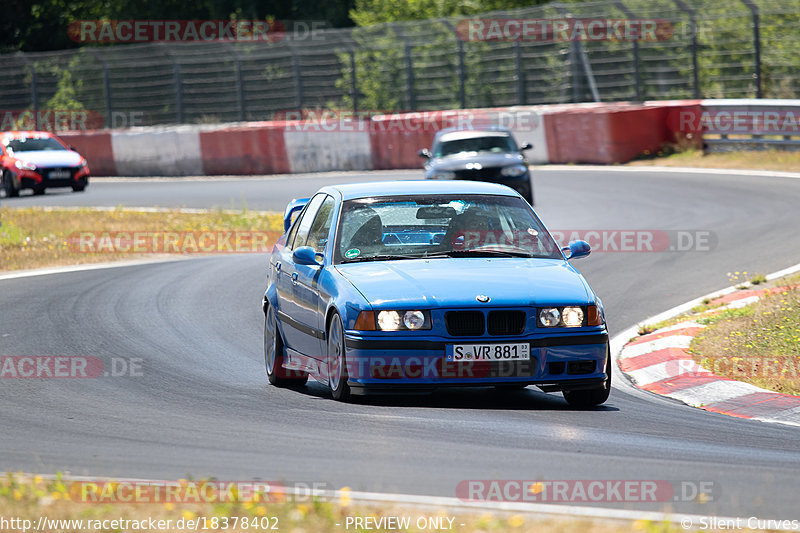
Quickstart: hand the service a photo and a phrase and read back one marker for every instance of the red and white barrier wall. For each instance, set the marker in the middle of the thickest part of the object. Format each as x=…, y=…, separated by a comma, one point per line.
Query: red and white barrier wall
x=573, y=133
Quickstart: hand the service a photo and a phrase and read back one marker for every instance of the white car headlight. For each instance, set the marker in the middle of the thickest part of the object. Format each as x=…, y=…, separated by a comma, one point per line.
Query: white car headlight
x=403, y=320
x=443, y=175
x=549, y=317
x=389, y=320
x=24, y=165
x=572, y=317
x=514, y=171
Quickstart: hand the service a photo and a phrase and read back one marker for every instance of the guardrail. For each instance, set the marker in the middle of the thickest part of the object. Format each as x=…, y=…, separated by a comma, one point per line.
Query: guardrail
x=742, y=124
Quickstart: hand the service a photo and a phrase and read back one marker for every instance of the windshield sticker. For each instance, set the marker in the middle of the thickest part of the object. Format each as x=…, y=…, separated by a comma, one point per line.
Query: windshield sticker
x=352, y=253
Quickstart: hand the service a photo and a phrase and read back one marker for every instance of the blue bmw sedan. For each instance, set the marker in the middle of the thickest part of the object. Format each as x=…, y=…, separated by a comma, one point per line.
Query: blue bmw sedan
x=415, y=285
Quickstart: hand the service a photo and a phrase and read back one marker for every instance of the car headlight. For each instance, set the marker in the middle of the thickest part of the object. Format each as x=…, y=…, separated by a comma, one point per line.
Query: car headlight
x=443, y=175
x=570, y=316
x=391, y=320
x=24, y=165
x=514, y=171
x=549, y=317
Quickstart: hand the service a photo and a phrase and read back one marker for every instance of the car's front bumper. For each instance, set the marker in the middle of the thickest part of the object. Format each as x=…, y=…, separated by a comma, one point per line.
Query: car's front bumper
x=557, y=362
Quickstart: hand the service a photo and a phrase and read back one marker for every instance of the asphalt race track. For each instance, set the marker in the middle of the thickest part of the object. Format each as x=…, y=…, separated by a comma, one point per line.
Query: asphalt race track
x=202, y=405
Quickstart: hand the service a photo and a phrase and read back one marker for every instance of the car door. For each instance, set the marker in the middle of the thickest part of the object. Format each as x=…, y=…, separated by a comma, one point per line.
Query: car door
x=310, y=308
x=289, y=308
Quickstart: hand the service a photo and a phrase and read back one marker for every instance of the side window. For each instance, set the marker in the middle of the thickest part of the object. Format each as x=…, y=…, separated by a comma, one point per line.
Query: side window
x=303, y=224
x=318, y=236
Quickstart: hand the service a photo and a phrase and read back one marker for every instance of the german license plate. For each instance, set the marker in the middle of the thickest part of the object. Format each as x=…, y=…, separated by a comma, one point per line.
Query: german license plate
x=488, y=352
x=59, y=174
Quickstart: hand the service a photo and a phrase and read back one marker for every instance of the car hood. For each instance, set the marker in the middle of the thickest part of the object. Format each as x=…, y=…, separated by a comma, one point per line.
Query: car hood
x=486, y=160
x=455, y=282
x=50, y=158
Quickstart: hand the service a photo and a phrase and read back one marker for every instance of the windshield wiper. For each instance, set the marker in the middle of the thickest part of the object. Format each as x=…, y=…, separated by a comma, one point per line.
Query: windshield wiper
x=382, y=257
x=479, y=253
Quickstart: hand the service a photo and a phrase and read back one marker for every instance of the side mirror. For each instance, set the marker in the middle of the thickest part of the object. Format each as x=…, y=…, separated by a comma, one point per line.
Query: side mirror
x=576, y=249
x=424, y=153
x=526, y=146
x=305, y=255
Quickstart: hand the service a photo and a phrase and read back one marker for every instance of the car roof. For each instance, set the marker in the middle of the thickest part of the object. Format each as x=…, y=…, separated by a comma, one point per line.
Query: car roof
x=351, y=191
x=452, y=134
x=10, y=135
x=20, y=133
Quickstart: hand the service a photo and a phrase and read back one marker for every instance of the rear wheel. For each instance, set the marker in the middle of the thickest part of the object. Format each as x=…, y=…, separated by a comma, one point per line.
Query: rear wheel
x=8, y=185
x=273, y=355
x=591, y=397
x=337, y=367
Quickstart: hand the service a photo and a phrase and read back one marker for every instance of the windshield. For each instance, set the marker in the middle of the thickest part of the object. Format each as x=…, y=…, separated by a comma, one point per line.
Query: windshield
x=30, y=144
x=412, y=227
x=499, y=144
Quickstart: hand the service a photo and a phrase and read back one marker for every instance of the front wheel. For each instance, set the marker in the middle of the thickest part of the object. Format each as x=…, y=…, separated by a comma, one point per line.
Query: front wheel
x=8, y=184
x=273, y=355
x=337, y=366
x=591, y=397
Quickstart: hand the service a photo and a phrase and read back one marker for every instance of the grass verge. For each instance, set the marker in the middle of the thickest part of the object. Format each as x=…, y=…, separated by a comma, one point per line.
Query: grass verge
x=32, y=497
x=758, y=344
x=41, y=237
x=763, y=160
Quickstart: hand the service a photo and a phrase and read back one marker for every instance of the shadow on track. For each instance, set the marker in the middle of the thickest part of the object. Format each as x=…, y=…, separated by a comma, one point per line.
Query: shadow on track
x=481, y=398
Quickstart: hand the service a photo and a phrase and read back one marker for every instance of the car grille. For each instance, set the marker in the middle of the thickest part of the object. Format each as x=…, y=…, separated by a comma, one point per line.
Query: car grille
x=464, y=323
x=483, y=174
x=475, y=323
x=506, y=322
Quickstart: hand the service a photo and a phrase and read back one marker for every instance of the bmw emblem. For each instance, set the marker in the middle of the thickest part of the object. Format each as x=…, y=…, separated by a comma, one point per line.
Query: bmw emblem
x=482, y=298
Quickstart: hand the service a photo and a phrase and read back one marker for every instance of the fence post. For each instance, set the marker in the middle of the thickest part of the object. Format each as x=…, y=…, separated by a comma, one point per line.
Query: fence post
x=106, y=86
x=34, y=90
x=522, y=97
x=462, y=74
x=353, y=81
x=576, y=49
x=412, y=101
x=756, y=46
x=240, y=97
x=298, y=79
x=178, y=86
x=637, y=75
x=693, y=26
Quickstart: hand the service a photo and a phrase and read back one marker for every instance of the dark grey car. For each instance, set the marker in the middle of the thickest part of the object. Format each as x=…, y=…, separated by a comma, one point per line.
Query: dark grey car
x=490, y=154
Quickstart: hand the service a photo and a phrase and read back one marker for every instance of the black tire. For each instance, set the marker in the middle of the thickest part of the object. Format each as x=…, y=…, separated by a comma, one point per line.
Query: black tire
x=591, y=397
x=273, y=355
x=80, y=185
x=527, y=193
x=337, y=365
x=8, y=185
